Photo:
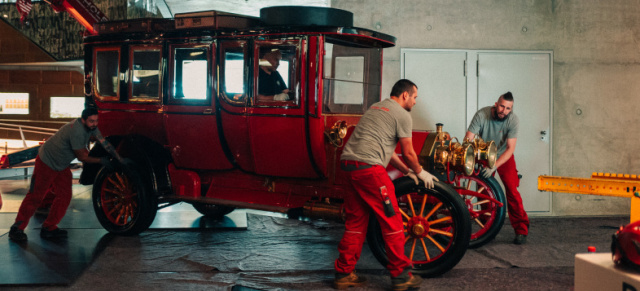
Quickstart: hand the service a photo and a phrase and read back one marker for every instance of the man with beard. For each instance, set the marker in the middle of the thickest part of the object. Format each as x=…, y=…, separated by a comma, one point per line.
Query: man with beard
x=499, y=124
x=51, y=172
x=366, y=155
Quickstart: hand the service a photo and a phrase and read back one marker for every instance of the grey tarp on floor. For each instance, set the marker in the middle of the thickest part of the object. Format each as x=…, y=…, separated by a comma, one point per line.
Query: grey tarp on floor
x=274, y=253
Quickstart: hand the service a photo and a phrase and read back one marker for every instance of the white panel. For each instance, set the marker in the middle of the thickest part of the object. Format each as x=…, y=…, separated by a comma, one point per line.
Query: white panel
x=442, y=89
x=527, y=76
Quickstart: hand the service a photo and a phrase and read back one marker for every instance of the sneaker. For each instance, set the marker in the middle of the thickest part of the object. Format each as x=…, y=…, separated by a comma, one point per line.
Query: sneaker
x=17, y=235
x=405, y=281
x=56, y=233
x=344, y=281
x=520, y=239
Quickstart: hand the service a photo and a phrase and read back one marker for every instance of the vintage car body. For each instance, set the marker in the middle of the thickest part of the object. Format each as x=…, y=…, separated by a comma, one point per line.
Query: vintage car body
x=179, y=98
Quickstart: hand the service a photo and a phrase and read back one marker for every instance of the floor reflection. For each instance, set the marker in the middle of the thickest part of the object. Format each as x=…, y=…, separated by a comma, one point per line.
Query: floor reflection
x=60, y=262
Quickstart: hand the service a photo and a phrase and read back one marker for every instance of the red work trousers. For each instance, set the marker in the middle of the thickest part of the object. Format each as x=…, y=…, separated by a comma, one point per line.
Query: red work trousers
x=42, y=179
x=367, y=198
x=518, y=217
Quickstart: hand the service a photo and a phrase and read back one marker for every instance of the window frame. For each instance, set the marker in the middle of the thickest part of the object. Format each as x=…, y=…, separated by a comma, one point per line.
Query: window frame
x=209, y=48
x=138, y=48
x=94, y=72
x=294, y=79
x=369, y=97
x=223, y=47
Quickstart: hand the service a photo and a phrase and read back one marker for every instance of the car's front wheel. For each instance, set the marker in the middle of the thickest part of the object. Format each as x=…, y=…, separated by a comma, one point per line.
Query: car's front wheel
x=436, y=225
x=123, y=202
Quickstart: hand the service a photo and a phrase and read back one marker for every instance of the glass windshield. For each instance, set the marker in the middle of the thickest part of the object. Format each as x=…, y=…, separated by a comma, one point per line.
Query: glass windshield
x=352, y=78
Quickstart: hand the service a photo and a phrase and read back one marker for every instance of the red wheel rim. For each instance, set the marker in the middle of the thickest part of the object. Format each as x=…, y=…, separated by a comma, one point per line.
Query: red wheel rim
x=428, y=226
x=119, y=199
x=483, y=211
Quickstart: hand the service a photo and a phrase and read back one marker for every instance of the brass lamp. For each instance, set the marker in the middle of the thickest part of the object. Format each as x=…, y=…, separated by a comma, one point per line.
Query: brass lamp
x=336, y=133
x=459, y=157
x=486, y=152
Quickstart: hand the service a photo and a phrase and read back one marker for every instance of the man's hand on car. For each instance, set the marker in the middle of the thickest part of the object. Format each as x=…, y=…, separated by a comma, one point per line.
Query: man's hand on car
x=487, y=172
x=425, y=176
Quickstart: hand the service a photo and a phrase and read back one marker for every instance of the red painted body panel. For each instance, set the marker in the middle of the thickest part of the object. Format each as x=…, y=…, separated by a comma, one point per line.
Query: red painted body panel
x=279, y=147
x=116, y=119
x=194, y=142
x=185, y=183
x=274, y=154
x=279, y=192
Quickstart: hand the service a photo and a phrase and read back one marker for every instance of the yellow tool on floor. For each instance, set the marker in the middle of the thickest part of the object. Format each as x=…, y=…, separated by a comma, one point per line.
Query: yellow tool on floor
x=604, y=184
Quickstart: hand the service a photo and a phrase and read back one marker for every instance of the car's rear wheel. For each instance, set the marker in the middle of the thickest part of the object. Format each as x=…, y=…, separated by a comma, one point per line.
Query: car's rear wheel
x=212, y=210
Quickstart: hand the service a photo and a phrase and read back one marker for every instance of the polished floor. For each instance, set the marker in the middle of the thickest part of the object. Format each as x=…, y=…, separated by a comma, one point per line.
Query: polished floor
x=252, y=250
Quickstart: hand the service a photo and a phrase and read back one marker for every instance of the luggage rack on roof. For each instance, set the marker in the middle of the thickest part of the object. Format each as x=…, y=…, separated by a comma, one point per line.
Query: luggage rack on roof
x=200, y=20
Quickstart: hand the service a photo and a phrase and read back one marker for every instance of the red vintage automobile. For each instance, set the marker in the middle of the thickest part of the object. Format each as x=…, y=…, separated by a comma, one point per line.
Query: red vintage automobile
x=182, y=99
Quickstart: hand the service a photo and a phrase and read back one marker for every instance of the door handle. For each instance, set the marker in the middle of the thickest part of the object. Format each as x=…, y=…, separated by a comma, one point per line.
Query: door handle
x=543, y=134
x=207, y=111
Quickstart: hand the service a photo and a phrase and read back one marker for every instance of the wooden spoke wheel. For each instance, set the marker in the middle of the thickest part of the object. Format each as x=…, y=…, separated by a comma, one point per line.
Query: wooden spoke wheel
x=123, y=202
x=436, y=224
x=486, y=203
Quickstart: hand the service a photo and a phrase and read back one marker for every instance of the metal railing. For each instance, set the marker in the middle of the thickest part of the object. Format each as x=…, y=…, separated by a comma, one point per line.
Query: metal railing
x=26, y=128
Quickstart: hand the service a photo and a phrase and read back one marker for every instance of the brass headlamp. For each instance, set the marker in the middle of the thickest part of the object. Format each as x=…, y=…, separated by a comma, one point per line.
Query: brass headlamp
x=336, y=133
x=486, y=152
x=446, y=156
x=459, y=157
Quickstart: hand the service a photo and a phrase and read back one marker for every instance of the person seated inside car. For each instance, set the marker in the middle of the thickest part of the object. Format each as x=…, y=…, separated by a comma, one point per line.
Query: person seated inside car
x=271, y=86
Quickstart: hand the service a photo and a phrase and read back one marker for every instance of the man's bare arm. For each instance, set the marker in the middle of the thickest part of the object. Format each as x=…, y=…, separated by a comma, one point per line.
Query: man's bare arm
x=398, y=164
x=83, y=156
x=508, y=153
x=409, y=155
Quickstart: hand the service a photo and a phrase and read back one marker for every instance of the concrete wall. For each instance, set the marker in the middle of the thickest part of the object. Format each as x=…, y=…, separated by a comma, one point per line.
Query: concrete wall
x=596, y=71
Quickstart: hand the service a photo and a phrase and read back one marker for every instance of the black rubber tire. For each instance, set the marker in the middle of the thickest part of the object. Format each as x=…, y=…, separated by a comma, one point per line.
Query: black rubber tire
x=137, y=195
x=452, y=205
x=500, y=214
x=212, y=210
x=305, y=16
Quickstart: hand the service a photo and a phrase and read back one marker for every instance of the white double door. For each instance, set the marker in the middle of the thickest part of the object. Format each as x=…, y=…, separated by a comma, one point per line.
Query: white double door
x=454, y=84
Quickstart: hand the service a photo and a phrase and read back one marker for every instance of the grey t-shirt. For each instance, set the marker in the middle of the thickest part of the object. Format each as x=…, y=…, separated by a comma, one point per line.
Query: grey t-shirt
x=57, y=151
x=498, y=131
x=377, y=133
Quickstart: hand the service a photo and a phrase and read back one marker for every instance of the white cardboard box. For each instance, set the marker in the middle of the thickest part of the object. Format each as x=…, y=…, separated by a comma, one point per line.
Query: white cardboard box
x=596, y=271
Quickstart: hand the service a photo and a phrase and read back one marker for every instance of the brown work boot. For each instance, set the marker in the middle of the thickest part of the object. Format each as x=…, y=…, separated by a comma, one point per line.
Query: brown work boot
x=344, y=281
x=405, y=281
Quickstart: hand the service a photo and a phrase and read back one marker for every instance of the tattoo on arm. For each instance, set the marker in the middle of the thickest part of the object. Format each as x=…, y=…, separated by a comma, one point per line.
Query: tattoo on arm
x=108, y=147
